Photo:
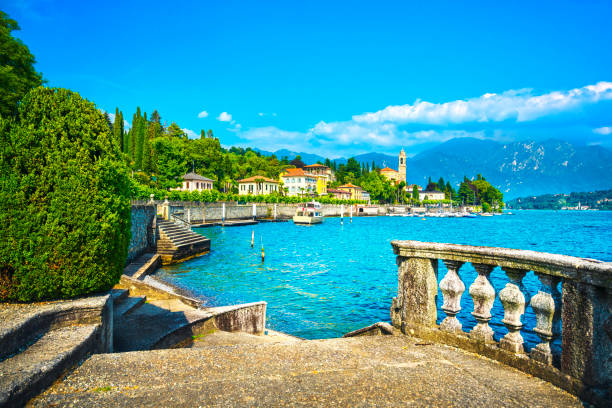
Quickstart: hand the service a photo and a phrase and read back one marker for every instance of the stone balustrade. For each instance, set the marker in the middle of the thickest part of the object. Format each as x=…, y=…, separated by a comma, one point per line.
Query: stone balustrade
x=579, y=313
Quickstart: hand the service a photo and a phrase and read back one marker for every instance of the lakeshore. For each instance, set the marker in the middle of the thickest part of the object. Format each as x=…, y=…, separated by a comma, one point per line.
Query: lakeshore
x=329, y=279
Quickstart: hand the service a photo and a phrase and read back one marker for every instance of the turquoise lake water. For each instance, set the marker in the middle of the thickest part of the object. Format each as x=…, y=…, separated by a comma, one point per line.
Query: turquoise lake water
x=325, y=280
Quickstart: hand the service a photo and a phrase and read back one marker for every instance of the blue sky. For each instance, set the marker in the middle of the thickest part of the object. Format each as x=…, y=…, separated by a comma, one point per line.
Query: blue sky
x=337, y=78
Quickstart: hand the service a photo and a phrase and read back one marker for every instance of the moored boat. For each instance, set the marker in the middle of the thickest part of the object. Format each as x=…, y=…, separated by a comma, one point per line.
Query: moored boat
x=308, y=214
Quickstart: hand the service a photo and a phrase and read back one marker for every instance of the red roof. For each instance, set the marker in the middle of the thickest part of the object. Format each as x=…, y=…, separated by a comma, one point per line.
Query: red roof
x=295, y=173
x=387, y=169
x=317, y=166
x=257, y=178
x=349, y=185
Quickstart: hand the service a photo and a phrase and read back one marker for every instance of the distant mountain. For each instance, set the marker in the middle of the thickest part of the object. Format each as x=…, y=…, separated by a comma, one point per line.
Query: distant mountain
x=518, y=168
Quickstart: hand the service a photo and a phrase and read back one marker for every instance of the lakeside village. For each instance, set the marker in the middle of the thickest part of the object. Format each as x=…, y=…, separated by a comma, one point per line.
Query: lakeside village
x=86, y=320
x=166, y=163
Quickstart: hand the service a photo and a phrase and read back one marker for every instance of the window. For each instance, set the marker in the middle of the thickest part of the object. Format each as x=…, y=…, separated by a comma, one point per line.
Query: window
x=187, y=184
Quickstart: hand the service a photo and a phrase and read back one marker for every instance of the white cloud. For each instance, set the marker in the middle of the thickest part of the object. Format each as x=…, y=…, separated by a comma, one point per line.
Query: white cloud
x=224, y=117
x=516, y=105
x=126, y=124
x=203, y=114
x=492, y=116
x=190, y=133
x=606, y=130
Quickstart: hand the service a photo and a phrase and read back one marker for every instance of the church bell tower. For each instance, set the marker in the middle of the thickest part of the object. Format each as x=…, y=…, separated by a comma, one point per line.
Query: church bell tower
x=402, y=166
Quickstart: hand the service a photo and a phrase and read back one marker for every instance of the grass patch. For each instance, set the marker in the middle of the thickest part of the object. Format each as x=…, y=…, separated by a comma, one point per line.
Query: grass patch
x=199, y=336
x=102, y=389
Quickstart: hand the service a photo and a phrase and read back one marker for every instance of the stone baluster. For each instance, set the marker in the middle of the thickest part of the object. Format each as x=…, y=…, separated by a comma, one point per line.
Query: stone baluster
x=483, y=294
x=514, y=301
x=452, y=288
x=543, y=304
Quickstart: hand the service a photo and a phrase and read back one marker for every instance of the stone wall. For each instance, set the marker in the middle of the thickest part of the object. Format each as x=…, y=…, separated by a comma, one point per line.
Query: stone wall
x=143, y=230
x=196, y=212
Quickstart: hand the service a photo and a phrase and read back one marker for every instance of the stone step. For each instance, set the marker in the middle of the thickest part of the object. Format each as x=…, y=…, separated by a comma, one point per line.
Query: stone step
x=24, y=375
x=119, y=295
x=147, y=326
x=360, y=371
x=173, y=237
x=128, y=305
x=189, y=241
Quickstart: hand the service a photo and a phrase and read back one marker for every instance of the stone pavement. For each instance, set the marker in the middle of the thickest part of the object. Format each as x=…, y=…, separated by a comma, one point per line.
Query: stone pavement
x=393, y=370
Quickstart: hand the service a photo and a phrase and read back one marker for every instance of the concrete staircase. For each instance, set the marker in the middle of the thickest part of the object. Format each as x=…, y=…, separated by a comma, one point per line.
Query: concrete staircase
x=40, y=342
x=178, y=243
x=384, y=371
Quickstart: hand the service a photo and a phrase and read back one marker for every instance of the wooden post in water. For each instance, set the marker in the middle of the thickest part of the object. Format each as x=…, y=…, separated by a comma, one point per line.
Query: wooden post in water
x=252, y=238
x=351, y=214
x=263, y=254
x=341, y=214
x=223, y=213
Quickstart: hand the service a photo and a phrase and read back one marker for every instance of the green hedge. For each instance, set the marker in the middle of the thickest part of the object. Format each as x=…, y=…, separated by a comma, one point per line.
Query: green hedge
x=139, y=191
x=64, y=199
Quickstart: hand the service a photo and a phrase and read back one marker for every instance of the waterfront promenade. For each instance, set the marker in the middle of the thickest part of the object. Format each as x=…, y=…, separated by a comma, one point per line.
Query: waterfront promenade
x=387, y=371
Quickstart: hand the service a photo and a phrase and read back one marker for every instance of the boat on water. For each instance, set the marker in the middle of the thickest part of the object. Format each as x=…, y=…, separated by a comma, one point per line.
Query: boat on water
x=308, y=214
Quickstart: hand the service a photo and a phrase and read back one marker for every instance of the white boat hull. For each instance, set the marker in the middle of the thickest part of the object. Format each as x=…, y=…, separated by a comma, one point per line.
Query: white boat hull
x=304, y=219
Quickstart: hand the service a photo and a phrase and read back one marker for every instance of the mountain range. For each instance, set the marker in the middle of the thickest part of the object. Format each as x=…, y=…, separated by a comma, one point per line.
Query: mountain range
x=518, y=169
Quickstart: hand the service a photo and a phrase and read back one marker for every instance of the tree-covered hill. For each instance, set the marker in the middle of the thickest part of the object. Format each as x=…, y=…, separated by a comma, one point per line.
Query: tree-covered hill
x=601, y=200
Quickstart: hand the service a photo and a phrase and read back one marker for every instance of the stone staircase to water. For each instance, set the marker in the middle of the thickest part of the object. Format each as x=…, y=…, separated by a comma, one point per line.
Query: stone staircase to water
x=177, y=243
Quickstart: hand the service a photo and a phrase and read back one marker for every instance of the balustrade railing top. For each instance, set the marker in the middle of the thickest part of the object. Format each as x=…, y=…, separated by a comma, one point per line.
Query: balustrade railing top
x=580, y=313
x=585, y=270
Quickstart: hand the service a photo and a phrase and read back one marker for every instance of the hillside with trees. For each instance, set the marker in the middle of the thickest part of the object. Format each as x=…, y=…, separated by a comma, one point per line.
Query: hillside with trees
x=600, y=200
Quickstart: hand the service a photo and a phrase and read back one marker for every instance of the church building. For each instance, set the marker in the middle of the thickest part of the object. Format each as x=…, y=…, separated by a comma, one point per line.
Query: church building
x=396, y=176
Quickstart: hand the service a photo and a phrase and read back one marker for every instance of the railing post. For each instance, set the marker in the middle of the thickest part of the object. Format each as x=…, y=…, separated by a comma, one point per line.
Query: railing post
x=417, y=289
x=543, y=305
x=587, y=333
x=513, y=298
x=483, y=294
x=452, y=288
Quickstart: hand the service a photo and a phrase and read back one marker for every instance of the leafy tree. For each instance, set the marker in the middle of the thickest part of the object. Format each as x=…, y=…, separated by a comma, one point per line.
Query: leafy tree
x=17, y=73
x=64, y=192
x=175, y=130
x=297, y=162
x=415, y=193
x=353, y=166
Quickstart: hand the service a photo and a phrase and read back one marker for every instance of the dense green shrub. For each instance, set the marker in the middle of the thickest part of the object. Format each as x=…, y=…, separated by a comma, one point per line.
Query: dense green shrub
x=64, y=199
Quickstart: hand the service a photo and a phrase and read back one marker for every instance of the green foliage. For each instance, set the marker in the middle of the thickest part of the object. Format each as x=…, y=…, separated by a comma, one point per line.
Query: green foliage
x=601, y=200
x=479, y=192
x=17, y=73
x=64, y=199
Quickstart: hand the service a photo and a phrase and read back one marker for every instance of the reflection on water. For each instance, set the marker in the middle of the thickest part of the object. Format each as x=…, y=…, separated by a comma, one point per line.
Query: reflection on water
x=328, y=279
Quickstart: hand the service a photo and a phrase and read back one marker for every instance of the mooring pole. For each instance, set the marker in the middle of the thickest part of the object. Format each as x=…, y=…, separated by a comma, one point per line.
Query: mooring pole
x=351, y=214
x=223, y=213
x=341, y=214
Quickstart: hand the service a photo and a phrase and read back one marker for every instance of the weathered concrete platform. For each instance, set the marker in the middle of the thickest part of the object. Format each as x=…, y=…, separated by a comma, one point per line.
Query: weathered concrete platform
x=385, y=371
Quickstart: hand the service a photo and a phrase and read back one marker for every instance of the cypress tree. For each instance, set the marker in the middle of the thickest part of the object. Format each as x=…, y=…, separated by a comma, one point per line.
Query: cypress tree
x=140, y=140
x=118, y=128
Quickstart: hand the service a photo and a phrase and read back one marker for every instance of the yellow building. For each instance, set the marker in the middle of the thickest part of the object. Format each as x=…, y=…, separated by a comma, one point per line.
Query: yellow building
x=355, y=191
x=321, y=185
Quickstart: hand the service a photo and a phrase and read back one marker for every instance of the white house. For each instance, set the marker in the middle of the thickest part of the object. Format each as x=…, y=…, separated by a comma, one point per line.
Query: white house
x=195, y=182
x=257, y=185
x=433, y=195
x=298, y=182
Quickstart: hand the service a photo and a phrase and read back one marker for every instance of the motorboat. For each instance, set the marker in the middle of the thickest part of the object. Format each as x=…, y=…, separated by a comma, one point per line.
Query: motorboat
x=308, y=214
